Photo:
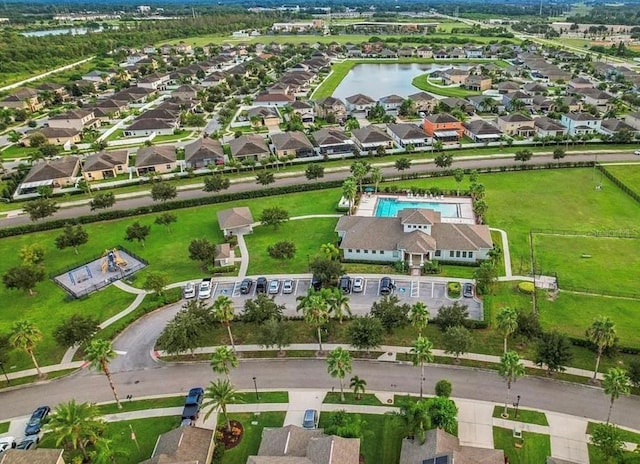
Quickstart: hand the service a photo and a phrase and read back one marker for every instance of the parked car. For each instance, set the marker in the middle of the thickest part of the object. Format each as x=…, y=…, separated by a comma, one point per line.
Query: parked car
x=261, y=285
x=310, y=419
x=192, y=403
x=35, y=422
x=204, y=290
x=189, y=290
x=467, y=290
x=386, y=286
x=344, y=284
x=245, y=286
x=358, y=284
x=274, y=287
x=637, y=152
x=7, y=443
x=316, y=283
x=194, y=396
x=27, y=443
x=287, y=287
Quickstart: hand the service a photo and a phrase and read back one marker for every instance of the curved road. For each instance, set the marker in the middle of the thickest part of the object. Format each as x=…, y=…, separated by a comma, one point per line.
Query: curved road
x=129, y=203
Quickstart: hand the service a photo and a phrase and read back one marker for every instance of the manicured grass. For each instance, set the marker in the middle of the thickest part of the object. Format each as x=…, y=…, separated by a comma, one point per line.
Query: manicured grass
x=155, y=403
x=307, y=234
x=265, y=397
x=596, y=458
x=4, y=427
x=627, y=435
x=250, y=442
x=382, y=440
x=627, y=174
x=535, y=447
x=368, y=399
x=34, y=378
x=423, y=83
x=524, y=415
x=589, y=264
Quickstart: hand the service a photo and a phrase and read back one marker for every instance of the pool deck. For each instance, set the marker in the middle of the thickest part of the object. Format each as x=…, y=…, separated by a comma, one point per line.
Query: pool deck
x=368, y=202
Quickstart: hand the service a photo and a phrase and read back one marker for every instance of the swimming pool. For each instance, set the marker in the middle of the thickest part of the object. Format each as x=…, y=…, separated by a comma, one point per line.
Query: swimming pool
x=389, y=207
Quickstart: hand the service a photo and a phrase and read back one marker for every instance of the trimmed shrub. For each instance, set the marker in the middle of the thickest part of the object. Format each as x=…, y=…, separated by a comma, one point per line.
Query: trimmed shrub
x=453, y=289
x=526, y=287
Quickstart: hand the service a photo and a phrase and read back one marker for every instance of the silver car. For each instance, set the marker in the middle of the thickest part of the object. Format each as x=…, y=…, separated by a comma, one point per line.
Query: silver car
x=287, y=287
x=358, y=285
x=274, y=287
x=189, y=290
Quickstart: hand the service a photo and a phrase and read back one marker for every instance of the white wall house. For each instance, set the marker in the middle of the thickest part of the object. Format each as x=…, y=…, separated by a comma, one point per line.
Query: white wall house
x=580, y=123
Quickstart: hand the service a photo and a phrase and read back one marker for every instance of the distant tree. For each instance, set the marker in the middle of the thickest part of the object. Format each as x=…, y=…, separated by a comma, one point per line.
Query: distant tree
x=222, y=360
x=224, y=312
x=156, y=282
x=443, y=388
x=507, y=323
x=457, y=340
x=349, y=191
x=274, y=216
x=75, y=329
x=102, y=201
x=391, y=313
x=315, y=312
x=181, y=333
x=265, y=178
x=634, y=372
x=40, y=208
x=443, y=160
x=216, y=183
x=282, y=250
x=314, y=171
x=99, y=353
x=443, y=414
x=486, y=275
x=365, y=333
x=261, y=309
x=326, y=270
x=558, y=153
x=37, y=139
x=339, y=365
x=452, y=316
x=24, y=277
x=510, y=368
x=48, y=150
x=163, y=191
x=419, y=316
x=72, y=236
x=554, y=350
x=25, y=336
x=376, y=177
x=359, y=170
x=402, y=164
x=528, y=325
x=420, y=353
x=523, y=155
x=32, y=254
x=615, y=383
x=602, y=333
x=166, y=219
x=352, y=124
x=358, y=386
x=274, y=333
x=99, y=145
x=138, y=232
x=458, y=175
x=201, y=249
x=608, y=441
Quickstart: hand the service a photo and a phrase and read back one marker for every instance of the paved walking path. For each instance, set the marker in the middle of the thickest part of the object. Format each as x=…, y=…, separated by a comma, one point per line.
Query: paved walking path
x=506, y=254
x=244, y=257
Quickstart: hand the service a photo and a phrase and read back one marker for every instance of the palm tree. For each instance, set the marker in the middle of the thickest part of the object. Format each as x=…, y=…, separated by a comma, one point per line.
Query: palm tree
x=222, y=360
x=25, y=336
x=602, y=333
x=219, y=394
x=510, y=369
x=338, y=303
x=421, y=354
x=99, y=353
x=330, y=251
x=75, y=425
x=223, y=311
x=315, y=312
x=616, y=382
x=507, y=323
x=339, y=365
x=376, y=177
x=358, y=386
x=419, y=316
x=415, y=419
x=349, y=190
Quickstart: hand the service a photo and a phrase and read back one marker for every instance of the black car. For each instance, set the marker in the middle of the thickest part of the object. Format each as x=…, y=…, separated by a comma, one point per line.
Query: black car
x=28, y=443
x=261, y=285
x=245, y=286
x=316, y=283
x=345, y=284
x=386, y=286
x=467, y=290
x=35, y=422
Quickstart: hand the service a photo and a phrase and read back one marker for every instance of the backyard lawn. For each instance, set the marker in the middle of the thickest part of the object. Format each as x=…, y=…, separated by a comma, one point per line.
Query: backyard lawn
x=535, y=448
x=252, y=434
x=423, y=83
x=628, y=174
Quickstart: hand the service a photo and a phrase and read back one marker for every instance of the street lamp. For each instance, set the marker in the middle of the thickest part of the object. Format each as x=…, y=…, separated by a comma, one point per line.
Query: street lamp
x=515, y=405
x=5, y=373
x=255, y=385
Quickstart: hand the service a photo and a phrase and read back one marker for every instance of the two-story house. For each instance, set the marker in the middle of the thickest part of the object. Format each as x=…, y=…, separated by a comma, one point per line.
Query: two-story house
x=443, y=127
x=359, y=103
x=580, y=123
x=75, y=119
x=516, y=124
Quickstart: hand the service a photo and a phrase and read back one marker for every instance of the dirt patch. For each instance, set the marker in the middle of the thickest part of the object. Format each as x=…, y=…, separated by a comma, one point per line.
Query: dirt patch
x=230, y=438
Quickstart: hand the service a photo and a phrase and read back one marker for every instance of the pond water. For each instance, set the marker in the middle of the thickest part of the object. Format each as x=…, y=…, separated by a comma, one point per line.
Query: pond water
x=68, y=30
x=380, y=79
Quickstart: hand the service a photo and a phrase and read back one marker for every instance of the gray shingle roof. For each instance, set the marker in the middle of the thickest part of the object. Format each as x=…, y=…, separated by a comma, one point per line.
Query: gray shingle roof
x=294, y=140
x=370, y=134
x=154, y=155
x=67, y=166
x=184, y=445
x=105, y=160
x=32, y=456
x=203, y=148
x=407, y=131
x=330, y=136
x=248, y=145
x=235, y=217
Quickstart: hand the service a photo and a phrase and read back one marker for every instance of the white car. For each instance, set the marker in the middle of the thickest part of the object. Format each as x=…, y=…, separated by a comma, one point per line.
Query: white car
x=358, y=285
x=637, y=152
x=204, y=290
x=7, y=443
x=189, y=290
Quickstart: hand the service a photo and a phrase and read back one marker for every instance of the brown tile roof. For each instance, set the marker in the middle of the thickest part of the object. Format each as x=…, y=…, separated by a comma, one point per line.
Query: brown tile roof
x=248, y=145
x=222, y=251
x=64, y=167
x=330, y=136
x=440, y=443
x=203, y=148
x=235, y=217
x=419, y=216
x=33, y=456
x=461, y=236
x=294, y=140
x=184, y=445
x=57, y=132
x=370, y=134
x=72, y=114
x=105, y=160
x=360, y=99
x=153, y=155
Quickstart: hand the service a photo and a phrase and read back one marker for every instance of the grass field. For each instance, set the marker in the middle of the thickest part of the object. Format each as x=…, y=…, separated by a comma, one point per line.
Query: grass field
x=265, y=397
x=4, y=427
x=250, y=442
x=626, y=435
x=524, y=415
x=155, y=403
x=423, y=83
x=535, y=447
x=368, y=399
x=596, y=458
x=628, y=174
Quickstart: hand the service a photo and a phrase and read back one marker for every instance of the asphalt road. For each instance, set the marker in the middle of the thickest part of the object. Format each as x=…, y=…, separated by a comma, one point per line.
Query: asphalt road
x=122, y=204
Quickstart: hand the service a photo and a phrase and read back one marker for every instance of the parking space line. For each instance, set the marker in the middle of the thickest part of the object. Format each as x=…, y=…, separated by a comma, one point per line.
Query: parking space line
x=295, y=290
x=415, y=289
x=236, y=290
x=379, y=283
x=364, y=286
x=215, y=288
x=433, y=288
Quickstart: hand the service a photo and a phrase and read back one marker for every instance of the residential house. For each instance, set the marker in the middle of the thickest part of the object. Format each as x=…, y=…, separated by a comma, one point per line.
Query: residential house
x=547, y=127
x=473, y=52
x=481, y=131
x=295, y=445
x=55, y=173
x=105, y=165
x=541, y=103
x=371, y=137
x=633, y=119
x=292, y=143
x=203, y=152
x=507, y=86
x=406, y=52
x=414, y=236
x=133, y=94
x=573, y=103
x=266, y=116
x=456, y=53
x=423, y=102
x=330, y=106
x=332, y=141
x=57, y=136
x=580, y=123
x=483, y=103
x=441, y=54
x=535, y=88
x=155, y=81
x=235, y=221
x=425, y=52
x=59, y=91
x=387, y=53
x=613, y=126
x=251, y=147
x=223, y=255
x=516, y=124
x=186, y=92
x=359, y=103
x=452, y=103
x=391, y=102
x=439, y=447
x=215, y=78
x=22, y=99
x=478, y=83
x=453, y=76
x=508, y=99
x=579, y=83
x=408, y=134
x=183, y=445
x=274, y=99
x=75, y=119
x=32, y=456
x=598, y=98
x=443, y=127
x=144, y=127
x=156, y=158
x=136, y=58
x=304, y=110
x=101, y=77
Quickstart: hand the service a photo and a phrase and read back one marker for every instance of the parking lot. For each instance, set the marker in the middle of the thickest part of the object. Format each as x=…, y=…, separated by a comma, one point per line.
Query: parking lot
x=408, y=290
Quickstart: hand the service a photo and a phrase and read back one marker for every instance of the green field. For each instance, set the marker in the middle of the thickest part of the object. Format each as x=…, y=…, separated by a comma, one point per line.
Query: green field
x=250, y=442
x=628, y=174
x=524, y=415
x=423, y=83
x=535, y=446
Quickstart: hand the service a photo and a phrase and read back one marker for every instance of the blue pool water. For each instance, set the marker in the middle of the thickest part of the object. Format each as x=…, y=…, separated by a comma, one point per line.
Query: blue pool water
x=389, y=207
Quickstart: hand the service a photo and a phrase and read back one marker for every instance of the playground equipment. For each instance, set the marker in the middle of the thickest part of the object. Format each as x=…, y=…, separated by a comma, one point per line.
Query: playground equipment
x=112, y=262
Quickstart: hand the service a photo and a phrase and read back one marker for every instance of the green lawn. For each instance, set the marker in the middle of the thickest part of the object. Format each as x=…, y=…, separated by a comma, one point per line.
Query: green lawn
x=368, y=399
x=631, y=437
x=596, y=458
x=252, y=434
x=382, y=438
x=423, y=83
x=524, y=415
x=628, y=174
x=4, y=427
x=155, y=403
x=265, y=397
x=535, y=447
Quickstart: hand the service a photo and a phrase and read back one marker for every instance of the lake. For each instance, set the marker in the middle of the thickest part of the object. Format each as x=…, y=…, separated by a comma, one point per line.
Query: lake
x=380, y=79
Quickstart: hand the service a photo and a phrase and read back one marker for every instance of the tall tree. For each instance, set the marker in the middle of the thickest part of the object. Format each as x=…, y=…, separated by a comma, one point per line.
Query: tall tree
x=443, y=413
x=365, y=333
x=25, y=336
x=507, y=323
x=265, y=178
x=330, y=251
x=24, y=277
x=156, y=282
x=72, y=236
x=510, y=369
x=457, y=341
x=607, y=439
x=78, y=328
x=616, y=382
x=420, y=354
x=314, y=171
x=274, y=333
x=222, y=360
x=419, y=316
x=358, y=386
x=223, y=311
x=414, y=416
x=338, y=303
x=138, y=232
x=216, y=183
x=32, y=254
x=163, y=191
x=102, y=201
x=339, y=365
x=218, y=395
x=40, y=208
x=274, y=216
x=166, y=219
x=349, y=190
x=201, y=249
x=315, y=312
x=443, y=160
x=402, y=164
x=75, y=425
x=359, y=170
x=602, y=333
x=554, y=350
x=458, y=175
x=99, y=353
